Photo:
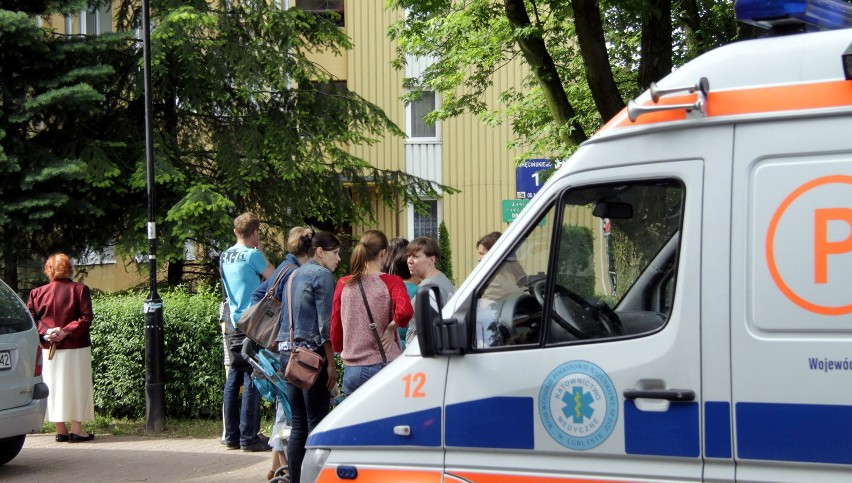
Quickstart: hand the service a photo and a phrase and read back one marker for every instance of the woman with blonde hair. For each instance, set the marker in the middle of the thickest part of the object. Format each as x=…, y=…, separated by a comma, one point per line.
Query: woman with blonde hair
x=307, y=306
x=298, y=245
x=368, y=307
x=63, y=311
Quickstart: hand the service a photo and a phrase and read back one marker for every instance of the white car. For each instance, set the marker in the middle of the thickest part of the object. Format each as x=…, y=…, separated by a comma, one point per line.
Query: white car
x=23, y=394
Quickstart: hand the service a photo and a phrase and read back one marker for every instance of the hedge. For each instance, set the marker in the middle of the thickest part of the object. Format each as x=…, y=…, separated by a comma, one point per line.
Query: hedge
x=193, y=367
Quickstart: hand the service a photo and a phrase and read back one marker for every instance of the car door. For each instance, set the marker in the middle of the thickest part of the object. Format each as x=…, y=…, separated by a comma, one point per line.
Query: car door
x=791, y=303
x=590, y=366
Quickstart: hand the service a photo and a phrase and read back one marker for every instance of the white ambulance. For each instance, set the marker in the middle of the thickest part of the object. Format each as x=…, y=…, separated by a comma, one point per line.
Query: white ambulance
x=674, y=305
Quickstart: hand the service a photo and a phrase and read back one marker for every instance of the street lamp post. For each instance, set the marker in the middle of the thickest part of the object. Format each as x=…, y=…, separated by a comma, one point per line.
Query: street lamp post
x=155, y=396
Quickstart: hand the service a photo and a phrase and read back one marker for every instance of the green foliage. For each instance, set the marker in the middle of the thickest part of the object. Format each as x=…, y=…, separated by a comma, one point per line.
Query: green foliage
x=445, y=264
x=576, y=270
x=244, y=121
x=61, y=144
x=473, y=42
x=194, y=371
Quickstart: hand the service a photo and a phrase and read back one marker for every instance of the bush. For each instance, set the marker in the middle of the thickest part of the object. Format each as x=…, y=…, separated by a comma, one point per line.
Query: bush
x=445, y=264
x=193, y=368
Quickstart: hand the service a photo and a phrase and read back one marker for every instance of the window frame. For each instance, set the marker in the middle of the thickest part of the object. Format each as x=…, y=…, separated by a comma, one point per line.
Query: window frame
x=409, y=121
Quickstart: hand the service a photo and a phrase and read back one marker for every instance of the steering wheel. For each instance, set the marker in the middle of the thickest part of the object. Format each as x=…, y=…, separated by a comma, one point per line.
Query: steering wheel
x=602, y=314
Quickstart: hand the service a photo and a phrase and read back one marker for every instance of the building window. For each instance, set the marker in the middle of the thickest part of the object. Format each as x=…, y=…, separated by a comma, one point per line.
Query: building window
x=329, y=100
x=92, y=257
x=426, y=223
x=418, y=127
x=97, y=20
x=323, y=7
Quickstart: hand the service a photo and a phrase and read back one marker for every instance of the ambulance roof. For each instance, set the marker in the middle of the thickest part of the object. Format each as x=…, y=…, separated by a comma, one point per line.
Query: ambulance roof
x=789, y=59
x=779, y=74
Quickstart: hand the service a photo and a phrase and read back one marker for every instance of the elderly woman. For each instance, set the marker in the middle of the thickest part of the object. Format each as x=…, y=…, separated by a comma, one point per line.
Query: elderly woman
x=63, y=310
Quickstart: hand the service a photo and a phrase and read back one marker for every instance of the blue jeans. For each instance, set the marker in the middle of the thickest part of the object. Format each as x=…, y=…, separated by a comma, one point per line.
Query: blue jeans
x=242, y=418
x=309, y=407
x=355, y=376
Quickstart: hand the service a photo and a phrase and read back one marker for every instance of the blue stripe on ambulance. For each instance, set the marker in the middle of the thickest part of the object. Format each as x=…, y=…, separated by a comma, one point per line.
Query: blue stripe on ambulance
x=425, y=431
x=813, y=433
x=717, y=429
x=765, y=431
x=497, y=422
x=674, y=432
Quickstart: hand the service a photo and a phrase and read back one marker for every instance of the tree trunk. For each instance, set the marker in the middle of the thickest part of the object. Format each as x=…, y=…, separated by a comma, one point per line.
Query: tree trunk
x=590, y=35
x=691, y=22
x=544, y=69
x=656, y=48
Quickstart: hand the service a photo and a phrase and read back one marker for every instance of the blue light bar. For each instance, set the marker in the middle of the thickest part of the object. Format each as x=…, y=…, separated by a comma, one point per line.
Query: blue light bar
x=816, y=14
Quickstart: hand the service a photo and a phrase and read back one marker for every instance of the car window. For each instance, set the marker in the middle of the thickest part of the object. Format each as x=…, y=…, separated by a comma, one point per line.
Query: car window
x=615, y=254
x=598, y=265
x=14, y=316
x=507, y=312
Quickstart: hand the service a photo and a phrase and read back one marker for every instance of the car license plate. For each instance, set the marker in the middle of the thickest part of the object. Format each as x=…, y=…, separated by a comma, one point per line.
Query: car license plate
x=5, y=360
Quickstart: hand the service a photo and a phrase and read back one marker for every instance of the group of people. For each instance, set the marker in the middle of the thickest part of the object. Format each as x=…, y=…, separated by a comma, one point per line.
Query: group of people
x=365, y=317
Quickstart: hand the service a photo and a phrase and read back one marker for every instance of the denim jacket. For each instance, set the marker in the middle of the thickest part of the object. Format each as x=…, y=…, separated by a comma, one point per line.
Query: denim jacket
x=261, y=290
x=312, y=296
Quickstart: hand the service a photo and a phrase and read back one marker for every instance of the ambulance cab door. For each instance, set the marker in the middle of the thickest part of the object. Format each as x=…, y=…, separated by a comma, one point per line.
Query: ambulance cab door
x=585, y=356
x=791, y=300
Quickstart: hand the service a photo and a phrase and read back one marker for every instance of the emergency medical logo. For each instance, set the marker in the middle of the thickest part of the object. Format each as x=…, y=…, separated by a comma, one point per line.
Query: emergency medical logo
x=578, y=405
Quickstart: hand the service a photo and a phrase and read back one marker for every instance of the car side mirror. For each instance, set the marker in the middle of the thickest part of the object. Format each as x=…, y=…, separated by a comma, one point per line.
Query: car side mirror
x=435, y=335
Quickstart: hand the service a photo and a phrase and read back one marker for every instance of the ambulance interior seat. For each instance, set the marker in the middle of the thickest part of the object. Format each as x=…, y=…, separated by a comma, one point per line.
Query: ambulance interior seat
x=521, y=315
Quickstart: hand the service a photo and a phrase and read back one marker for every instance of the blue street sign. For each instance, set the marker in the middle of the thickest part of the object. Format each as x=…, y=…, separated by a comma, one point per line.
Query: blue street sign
x=529, y=177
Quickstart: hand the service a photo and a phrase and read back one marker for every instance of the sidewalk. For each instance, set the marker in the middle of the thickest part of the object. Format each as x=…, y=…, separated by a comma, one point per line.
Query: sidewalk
x=133, y=458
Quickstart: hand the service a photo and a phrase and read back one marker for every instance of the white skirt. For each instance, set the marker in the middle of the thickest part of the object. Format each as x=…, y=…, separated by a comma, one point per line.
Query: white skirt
x=69, y=378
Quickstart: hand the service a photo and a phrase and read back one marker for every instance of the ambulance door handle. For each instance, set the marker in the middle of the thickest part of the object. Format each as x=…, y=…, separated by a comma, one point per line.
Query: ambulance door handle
x=677, y=395
x=403, y=430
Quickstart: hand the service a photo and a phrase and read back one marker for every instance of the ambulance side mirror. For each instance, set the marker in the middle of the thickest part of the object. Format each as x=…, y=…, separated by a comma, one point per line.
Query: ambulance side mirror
x=436, y=336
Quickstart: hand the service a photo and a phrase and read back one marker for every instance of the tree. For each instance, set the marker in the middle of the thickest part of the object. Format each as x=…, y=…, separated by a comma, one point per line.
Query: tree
x=62, y=155
x=445, y=264
x=585, y=57
x=245, y=122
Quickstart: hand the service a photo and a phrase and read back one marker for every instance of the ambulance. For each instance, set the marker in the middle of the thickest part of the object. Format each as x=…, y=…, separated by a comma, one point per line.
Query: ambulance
x=675, y=304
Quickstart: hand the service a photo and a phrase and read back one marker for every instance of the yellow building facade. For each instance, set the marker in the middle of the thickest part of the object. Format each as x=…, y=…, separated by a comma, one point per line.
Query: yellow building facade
x=462, y=152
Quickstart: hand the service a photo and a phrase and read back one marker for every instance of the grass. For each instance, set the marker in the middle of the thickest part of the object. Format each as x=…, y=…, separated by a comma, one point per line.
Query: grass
x=174, y=428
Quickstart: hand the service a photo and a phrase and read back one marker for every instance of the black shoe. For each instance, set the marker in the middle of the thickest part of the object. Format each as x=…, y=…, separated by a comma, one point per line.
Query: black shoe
x=229, y=445
x=61, y=438
x=76, y=438
x=256, y=446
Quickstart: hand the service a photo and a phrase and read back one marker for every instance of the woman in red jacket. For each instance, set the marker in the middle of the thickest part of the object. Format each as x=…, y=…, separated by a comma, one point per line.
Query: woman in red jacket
x=63, y=310
x=365, y=349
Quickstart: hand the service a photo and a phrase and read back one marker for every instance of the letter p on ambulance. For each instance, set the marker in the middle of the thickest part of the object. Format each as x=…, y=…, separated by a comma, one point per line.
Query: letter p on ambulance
x=823, y=247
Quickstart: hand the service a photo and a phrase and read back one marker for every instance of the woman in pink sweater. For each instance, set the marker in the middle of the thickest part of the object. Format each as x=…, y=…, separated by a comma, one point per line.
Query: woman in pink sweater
x=364, y=346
